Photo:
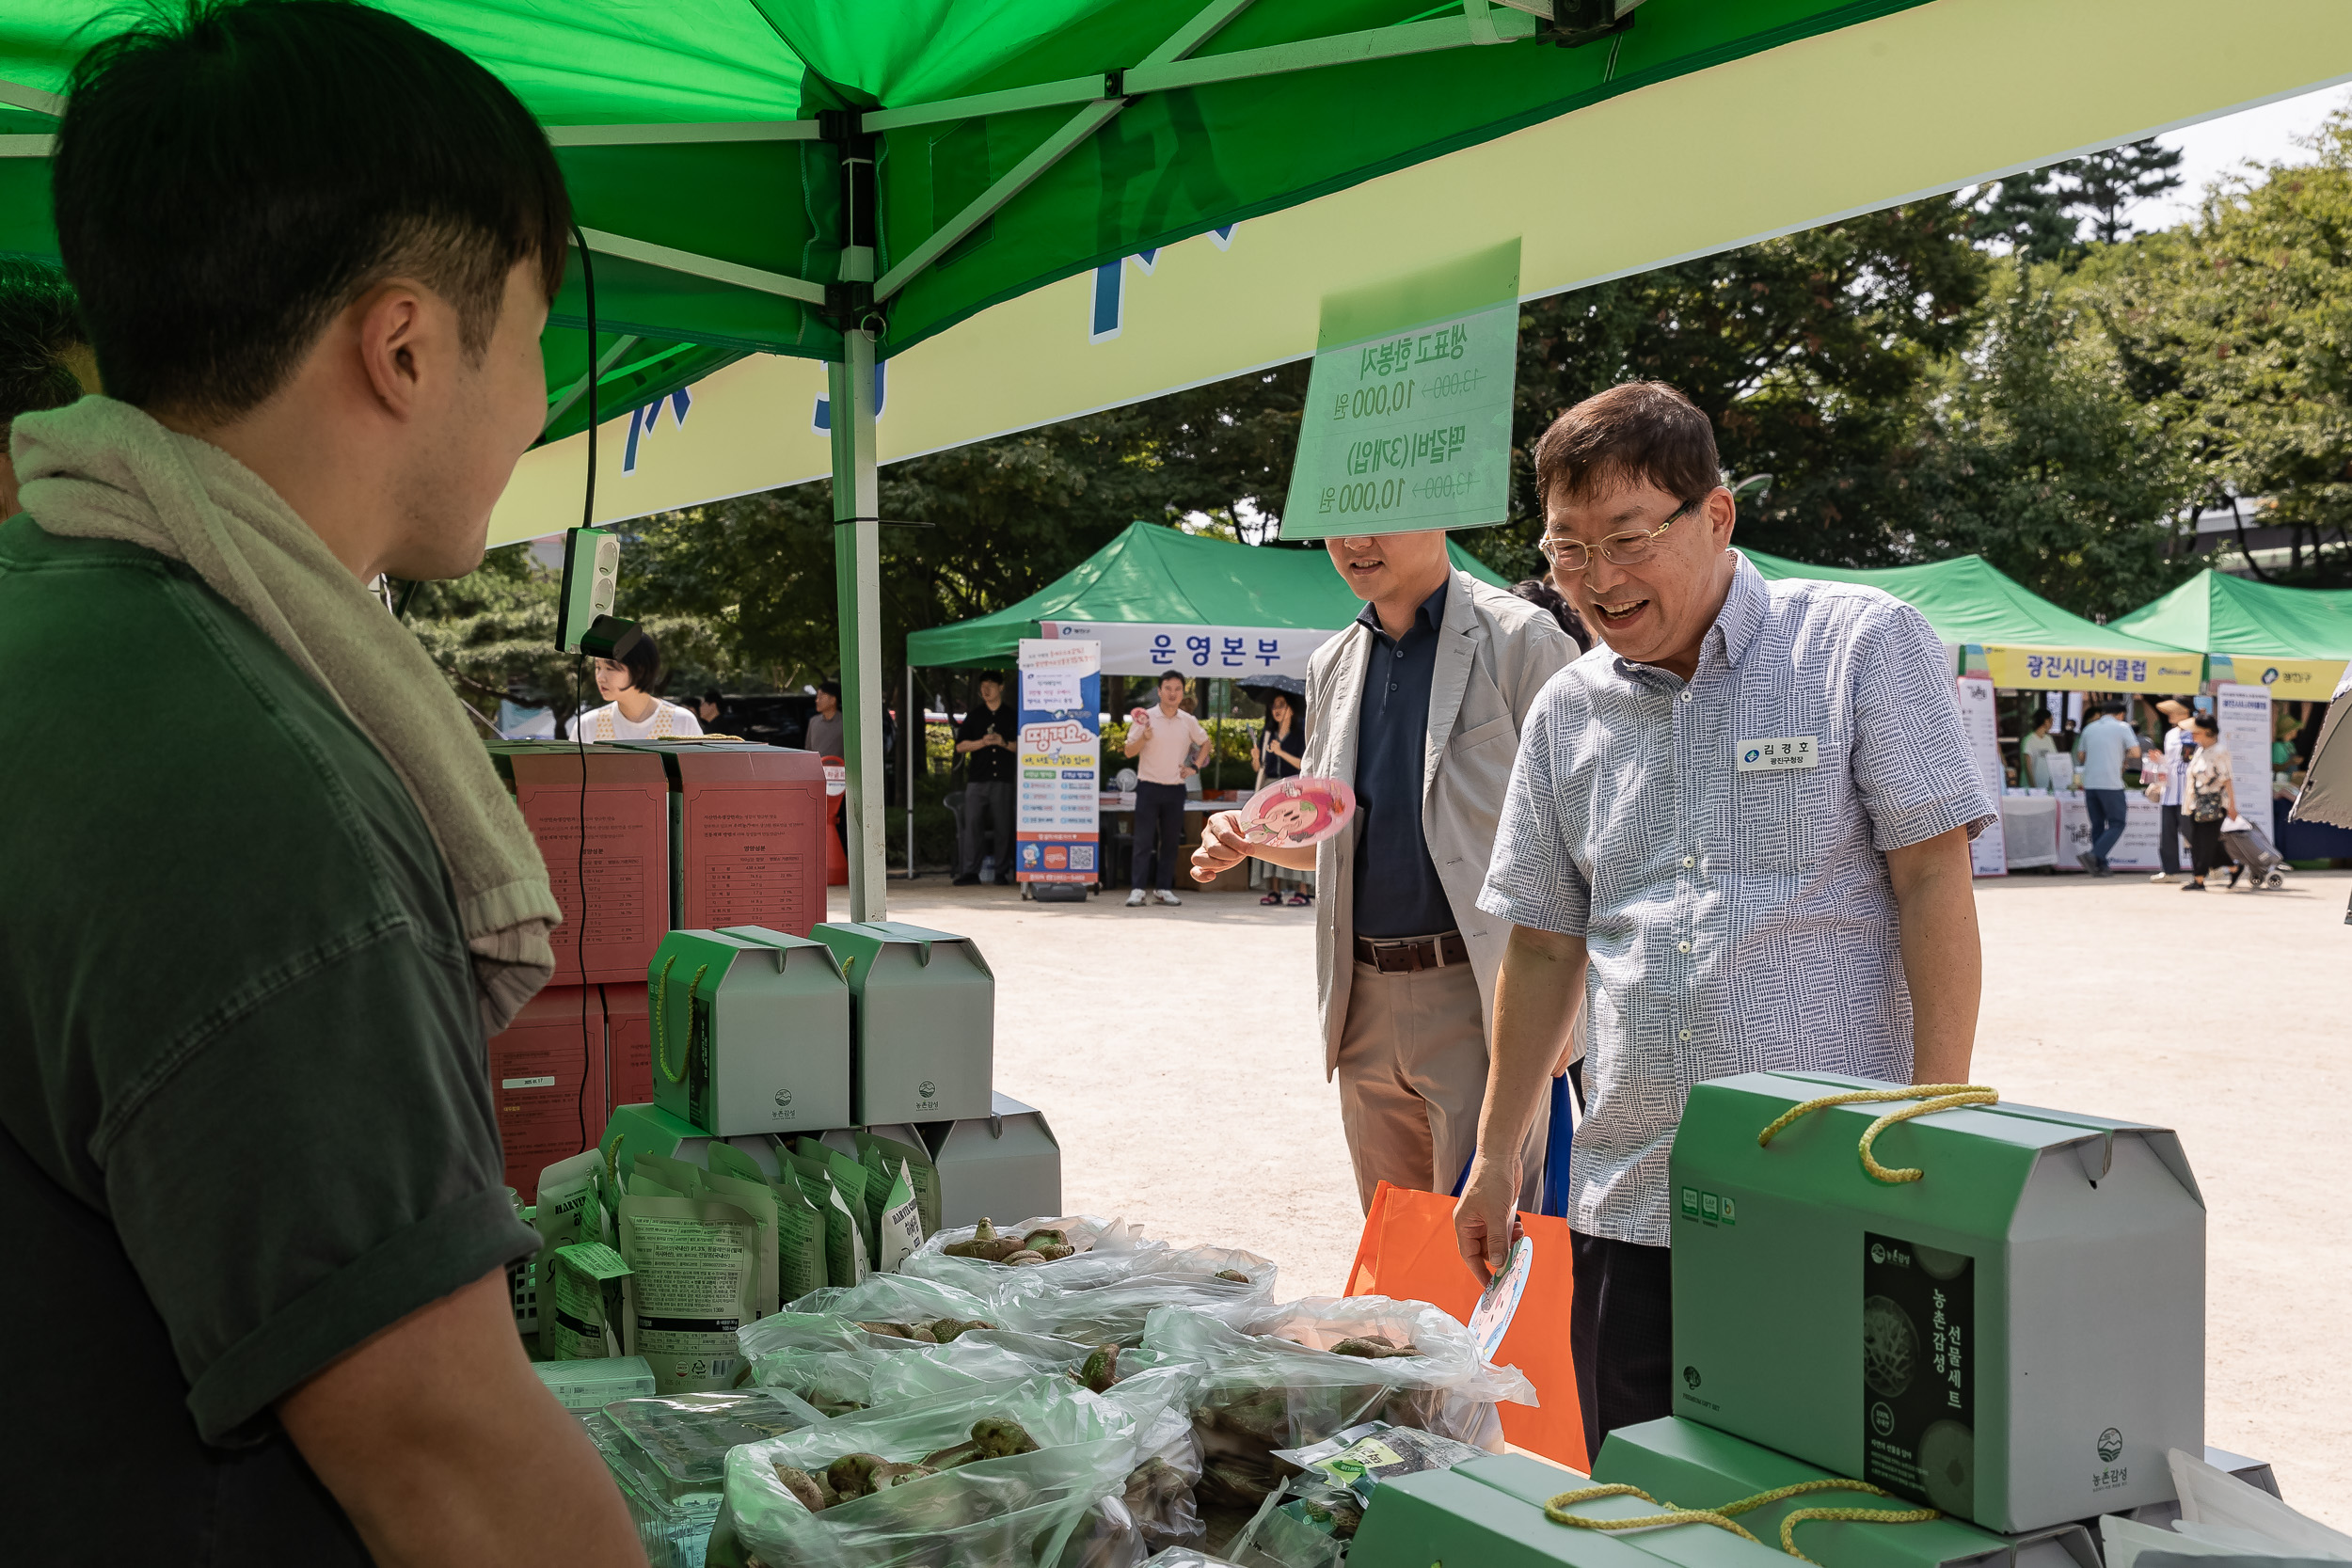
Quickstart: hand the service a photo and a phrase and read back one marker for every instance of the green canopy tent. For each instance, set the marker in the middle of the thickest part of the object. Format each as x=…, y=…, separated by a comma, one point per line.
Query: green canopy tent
x=2295, y=640
x=2027, y=642
x=818, y=181
x=1159, y=599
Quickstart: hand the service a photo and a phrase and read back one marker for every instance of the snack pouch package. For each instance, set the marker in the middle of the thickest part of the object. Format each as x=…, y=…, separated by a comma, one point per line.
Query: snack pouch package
x=567, y=1196
x=901, y=1223
x=757, y=1199
x=845, y=1248
x=1311, y=1370
x=880, y=1154
x=799, y=1227
x=1102, y=1251
x=1056, y=1503
x=849, y=1179
x=691, y=1285
x=1230, y=1286
x=582, y=1302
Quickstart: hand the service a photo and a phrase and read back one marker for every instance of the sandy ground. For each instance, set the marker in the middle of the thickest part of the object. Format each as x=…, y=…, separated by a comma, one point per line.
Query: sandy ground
x=1175, y=1053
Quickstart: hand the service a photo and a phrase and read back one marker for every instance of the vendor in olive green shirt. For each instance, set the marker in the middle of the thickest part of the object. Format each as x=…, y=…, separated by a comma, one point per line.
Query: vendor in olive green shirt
x=254, y=934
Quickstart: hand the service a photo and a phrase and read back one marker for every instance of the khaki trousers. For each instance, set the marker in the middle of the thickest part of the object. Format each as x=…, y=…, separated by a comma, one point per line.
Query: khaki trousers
x=1412, y=1072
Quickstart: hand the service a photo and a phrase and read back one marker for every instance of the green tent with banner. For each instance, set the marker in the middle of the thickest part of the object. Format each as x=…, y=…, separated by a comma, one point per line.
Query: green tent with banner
x=2028, y=643
x=2295, y=640
x=1159, y=599
x=1035, y=208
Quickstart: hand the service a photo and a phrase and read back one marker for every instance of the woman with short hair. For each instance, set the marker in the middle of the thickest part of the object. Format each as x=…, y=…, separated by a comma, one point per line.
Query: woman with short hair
x=2212, y=799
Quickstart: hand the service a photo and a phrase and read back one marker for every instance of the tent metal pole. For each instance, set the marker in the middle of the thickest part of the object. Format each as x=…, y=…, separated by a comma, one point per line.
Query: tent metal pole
x=857, y=580
x=913, y=733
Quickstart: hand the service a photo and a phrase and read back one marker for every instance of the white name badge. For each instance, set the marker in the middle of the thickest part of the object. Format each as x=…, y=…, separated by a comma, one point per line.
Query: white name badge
x=1779, y=754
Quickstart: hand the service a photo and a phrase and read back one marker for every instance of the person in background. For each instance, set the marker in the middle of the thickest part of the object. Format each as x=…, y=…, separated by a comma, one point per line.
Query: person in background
x=2212, y=797
x=2035, y=753
x=2209, y=797
x=1544, y=597
x=2172, y=768
x=823, y=734
x=1715, y=907
x=1276, y=751
x=706, y=708
x=988, y=741
x=1168, y=746
x=43, y=361
x=2107, y=744
x=1418, y=707
x=630, y=710
x=315, y=248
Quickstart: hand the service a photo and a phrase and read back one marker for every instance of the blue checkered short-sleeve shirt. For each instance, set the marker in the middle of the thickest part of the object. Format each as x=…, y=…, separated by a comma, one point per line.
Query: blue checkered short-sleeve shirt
x=1737, y=917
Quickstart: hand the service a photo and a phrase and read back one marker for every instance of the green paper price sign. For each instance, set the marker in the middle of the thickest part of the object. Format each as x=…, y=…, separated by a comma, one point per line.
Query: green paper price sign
x=1408, y=422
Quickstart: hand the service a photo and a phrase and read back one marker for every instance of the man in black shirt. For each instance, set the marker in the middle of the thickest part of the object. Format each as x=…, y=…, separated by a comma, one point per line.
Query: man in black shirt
x=988, y=740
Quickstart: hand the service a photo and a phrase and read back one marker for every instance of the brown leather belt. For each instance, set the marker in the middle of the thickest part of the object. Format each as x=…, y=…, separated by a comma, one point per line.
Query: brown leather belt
x=1410, y=955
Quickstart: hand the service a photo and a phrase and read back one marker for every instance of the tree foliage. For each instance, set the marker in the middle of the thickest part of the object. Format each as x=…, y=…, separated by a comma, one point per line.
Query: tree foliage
x=2235, y=334
x=2010, y=371
x=1810, y=353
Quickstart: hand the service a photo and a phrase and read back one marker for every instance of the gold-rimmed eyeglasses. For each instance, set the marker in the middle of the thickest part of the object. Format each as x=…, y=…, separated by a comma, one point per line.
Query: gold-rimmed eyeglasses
x=1618, y=549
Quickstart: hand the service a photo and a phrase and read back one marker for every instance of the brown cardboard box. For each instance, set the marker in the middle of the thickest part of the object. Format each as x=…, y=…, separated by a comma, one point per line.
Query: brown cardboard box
x=748, y=834
x=626, y=806
x=546, y=1112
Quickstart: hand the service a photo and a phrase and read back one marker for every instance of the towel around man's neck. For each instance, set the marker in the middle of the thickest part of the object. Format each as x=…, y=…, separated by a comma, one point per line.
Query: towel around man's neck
x=102, y=470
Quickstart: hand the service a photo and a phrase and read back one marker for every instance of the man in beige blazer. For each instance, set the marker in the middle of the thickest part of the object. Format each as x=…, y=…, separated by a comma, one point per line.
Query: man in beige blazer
x=1418, y=705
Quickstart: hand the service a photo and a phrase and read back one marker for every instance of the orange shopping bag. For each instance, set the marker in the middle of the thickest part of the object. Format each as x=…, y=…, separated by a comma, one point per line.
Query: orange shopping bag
x=1408, y=1253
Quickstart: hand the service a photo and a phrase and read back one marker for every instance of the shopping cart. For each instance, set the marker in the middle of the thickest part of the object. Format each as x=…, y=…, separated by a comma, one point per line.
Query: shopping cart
x=2248, y=845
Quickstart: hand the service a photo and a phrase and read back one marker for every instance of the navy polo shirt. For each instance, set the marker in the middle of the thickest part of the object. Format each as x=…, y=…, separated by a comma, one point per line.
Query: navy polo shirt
x=1397, y=891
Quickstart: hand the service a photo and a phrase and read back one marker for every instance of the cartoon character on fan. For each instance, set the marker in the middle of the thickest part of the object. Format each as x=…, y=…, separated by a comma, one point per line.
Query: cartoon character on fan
x=1300, y=812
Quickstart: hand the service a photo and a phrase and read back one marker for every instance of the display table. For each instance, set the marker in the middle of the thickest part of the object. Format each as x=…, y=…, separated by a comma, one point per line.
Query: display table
x=2135, y=851
x=2029, y=825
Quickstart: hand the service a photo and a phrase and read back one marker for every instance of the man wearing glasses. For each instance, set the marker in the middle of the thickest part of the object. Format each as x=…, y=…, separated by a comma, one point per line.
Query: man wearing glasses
x=1740, y=838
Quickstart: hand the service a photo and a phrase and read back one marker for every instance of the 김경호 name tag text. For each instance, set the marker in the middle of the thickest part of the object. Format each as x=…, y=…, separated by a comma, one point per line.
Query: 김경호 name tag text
x=1779, y=754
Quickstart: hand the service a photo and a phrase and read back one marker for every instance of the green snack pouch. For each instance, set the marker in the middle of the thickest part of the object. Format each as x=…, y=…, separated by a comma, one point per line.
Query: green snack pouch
x=800, y=1240
x=849, y=1180
x=582, y=1302
x=844, y=1246
x=677, y=1175
x=757, y=1199
x=691, y=1285
x=883, y=1156
x=901, y=1223
x=641, y=1185
x=727, y=1160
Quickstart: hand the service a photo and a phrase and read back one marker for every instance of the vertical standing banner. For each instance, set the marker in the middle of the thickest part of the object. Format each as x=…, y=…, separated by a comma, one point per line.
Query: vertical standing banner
x=1407, y=421
x=1057, y=817
x=2243, y=714
x=1980, y=718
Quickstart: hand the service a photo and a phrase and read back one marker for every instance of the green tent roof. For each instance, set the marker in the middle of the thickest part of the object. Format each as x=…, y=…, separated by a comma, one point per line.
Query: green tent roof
x=1969, y=601
x=2216, y=613
x=1163, y=575
x=714, y=149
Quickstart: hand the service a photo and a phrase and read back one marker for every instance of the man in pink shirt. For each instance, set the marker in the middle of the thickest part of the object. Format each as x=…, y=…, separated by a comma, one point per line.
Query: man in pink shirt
x=1168, y=746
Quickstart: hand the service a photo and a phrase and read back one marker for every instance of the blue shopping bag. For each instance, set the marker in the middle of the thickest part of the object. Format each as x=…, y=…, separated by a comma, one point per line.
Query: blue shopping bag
x=1557, y=1143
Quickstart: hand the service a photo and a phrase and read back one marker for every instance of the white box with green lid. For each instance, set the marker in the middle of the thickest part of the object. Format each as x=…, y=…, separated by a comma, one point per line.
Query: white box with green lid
x=750, y=1032
x=924, y=1021
x=2016, y=1337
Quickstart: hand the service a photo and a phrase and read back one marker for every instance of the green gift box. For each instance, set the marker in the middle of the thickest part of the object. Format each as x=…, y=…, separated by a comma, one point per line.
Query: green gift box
x=751, y=1033
x=925, y=1020
x=2015, y=1337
